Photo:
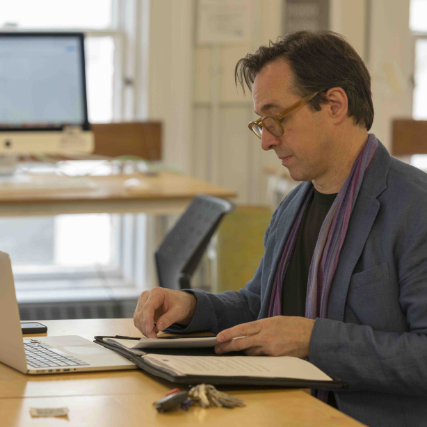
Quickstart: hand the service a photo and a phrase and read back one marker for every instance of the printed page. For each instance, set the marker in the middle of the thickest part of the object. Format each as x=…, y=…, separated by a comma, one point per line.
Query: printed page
x=239, y=366
x=166, y=342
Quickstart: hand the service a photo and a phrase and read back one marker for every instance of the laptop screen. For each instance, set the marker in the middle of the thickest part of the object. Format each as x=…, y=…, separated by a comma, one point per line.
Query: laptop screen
x=42, y=81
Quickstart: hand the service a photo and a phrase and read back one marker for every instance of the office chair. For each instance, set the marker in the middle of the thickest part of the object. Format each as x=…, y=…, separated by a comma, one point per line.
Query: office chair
x=183, y=247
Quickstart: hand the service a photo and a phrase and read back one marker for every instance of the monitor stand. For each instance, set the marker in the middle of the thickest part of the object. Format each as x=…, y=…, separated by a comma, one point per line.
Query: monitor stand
x=8, y=164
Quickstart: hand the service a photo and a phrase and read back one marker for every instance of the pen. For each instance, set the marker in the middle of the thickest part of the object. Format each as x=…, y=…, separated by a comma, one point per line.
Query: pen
x=180, y=337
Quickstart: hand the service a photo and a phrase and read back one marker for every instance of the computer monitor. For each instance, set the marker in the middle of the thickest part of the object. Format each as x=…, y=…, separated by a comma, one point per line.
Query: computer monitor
x=43, y=103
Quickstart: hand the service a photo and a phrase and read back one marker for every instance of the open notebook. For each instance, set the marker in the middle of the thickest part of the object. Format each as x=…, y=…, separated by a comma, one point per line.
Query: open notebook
x=192, y=361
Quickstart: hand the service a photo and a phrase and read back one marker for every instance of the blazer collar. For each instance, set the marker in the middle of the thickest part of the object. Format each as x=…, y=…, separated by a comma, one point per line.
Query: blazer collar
x=375, y=181
x=362, y=219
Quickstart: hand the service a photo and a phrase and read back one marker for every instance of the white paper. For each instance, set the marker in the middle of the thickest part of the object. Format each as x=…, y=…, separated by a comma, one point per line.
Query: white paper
x=200, y=342
x=222, y=21
x=244, y=366
x=48, y=412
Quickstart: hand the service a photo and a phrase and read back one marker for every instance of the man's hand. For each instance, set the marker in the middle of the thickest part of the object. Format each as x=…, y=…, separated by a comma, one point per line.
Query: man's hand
x=274, y=336
x=159, y=308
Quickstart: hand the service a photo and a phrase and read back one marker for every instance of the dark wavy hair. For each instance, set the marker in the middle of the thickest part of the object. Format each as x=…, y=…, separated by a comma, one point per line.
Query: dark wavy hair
x=319, y=61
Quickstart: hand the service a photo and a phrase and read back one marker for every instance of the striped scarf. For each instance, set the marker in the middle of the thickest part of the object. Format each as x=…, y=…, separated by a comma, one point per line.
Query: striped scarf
x=329, y=243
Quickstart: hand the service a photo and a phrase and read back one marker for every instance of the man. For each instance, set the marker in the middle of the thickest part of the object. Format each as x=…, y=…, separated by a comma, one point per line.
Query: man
x=343, y=280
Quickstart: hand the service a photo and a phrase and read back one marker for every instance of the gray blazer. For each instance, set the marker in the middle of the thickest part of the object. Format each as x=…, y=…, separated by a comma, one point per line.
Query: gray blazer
x=374, y=338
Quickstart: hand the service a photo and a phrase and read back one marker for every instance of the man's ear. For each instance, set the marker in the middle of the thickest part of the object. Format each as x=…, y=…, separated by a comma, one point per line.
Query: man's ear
x=337, y=104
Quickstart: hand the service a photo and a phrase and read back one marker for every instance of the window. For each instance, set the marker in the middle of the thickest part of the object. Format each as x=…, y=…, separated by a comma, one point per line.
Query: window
x=100, y=78
x=418, y=25
x=55, y=252
x=92, y=16
x=64, y=14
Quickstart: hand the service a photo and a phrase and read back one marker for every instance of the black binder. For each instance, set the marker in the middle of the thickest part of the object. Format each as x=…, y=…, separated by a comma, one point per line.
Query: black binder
x=336, y=384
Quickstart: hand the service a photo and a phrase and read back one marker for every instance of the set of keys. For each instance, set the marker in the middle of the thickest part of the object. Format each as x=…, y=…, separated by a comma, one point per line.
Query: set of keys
x=204, y=394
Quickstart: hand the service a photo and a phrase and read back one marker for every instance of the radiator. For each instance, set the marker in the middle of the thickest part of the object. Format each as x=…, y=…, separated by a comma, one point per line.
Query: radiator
x=78, y=310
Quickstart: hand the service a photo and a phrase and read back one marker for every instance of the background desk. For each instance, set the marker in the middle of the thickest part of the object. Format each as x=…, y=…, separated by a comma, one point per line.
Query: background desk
x=125, y=398
x=165, y=193
x=162, y=194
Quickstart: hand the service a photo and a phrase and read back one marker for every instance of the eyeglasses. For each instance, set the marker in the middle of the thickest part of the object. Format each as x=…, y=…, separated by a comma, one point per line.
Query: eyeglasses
x=272, y=123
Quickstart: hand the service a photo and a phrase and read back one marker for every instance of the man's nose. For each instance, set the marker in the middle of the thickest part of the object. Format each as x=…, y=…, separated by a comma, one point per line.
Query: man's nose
x=268, y=141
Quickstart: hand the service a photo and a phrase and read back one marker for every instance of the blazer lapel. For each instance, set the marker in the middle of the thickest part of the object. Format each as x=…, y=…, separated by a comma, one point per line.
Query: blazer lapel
x=280, y=235
x=361, y=221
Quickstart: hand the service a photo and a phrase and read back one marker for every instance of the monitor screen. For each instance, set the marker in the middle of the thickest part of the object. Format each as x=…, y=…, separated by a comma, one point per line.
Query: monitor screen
x=42, y=81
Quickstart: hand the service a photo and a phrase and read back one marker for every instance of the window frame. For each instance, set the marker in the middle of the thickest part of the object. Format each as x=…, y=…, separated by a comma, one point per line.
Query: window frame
x=126, y=271
x=416, y=36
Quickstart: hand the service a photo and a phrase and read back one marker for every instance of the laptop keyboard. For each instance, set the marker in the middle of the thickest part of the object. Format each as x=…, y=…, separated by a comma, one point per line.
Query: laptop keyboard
x=41, y=355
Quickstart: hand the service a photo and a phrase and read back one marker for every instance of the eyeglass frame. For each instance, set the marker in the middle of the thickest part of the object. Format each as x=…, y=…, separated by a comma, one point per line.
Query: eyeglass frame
x=280, y=116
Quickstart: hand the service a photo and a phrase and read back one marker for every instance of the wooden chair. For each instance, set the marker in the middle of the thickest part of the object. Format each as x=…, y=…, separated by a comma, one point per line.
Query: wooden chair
x=142, y=139
x=409, y=137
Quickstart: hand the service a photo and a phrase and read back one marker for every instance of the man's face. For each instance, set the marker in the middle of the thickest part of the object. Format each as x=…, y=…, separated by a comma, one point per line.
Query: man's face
x=304, y=148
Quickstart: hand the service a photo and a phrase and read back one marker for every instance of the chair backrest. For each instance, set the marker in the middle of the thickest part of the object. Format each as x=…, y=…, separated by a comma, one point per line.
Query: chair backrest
x=409, y=137
x=142, y=139
x=183, y=247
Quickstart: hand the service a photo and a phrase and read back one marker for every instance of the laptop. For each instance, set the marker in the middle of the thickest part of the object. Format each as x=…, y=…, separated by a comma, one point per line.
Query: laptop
x=46, y=355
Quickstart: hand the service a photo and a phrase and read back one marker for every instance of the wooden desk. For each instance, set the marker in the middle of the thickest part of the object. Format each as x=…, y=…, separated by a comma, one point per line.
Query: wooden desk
x=125, y=398
x=165, y=193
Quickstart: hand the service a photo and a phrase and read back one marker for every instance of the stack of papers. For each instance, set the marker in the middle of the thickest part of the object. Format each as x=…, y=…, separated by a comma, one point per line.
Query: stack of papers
x=238, y=366
x=284, y=367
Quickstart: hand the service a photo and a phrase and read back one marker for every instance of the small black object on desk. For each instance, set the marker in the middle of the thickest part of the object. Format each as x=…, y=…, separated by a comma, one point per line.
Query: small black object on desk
x=171, y=402
x=33, y=328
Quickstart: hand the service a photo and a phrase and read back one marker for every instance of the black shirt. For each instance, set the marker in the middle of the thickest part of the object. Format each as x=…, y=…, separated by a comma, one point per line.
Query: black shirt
x=295, y=284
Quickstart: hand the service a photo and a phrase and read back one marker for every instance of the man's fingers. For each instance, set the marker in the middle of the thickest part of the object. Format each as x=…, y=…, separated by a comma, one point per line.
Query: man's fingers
x=159, y=308
x=245, y=329
x=152, y=334
x=172, y=316
x=137, y=316
x=141, y=301
x=153, y=302
x=238, y=344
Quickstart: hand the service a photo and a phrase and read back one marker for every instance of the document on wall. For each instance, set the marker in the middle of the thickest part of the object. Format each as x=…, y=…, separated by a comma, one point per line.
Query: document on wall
x=224, y=21
x=238, y=366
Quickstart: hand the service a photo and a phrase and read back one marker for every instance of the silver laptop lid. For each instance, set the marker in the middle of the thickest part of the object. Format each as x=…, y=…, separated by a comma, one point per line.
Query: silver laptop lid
x=11, y=343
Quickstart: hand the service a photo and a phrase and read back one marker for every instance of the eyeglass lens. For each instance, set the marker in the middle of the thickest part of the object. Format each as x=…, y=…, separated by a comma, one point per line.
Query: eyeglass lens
x=257, y=129
x=271, y=125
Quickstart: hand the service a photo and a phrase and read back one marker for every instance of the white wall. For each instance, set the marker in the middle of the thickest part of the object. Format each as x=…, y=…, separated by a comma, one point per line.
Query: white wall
x=391, y=64
x=379, y=31
x=168, y=49
x=348, y=17
x=191, y=87
x=225, y=151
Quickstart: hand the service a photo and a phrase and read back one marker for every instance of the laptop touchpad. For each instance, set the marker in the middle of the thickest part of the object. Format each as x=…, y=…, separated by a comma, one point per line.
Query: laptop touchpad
x=85, y=350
